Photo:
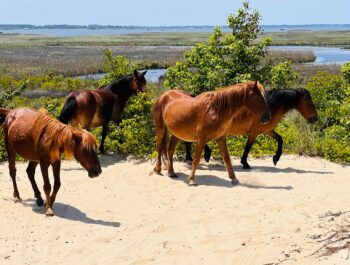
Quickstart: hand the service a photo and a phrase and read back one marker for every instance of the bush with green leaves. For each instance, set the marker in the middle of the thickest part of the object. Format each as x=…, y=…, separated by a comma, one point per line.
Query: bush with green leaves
x=227, y=59
x=331, y=95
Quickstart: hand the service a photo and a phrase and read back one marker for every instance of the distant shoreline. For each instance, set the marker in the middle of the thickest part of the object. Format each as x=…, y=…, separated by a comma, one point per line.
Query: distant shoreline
x=131, y=27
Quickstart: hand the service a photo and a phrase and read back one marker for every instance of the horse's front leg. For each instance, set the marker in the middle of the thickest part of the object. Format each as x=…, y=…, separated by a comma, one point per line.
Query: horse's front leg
x=104, y=135
x=47, y=187
x=197, y=156
x=31, y=175
x=56, y=168
x=225, y=155
x=247, y=148
x=279, y=140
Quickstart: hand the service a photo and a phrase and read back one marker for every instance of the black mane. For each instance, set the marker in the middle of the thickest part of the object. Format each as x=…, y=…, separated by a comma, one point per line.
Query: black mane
x=121, y=87
x=288, y=98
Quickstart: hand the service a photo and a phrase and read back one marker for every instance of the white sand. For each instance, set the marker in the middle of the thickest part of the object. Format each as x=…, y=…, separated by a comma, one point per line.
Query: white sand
x=127, y=216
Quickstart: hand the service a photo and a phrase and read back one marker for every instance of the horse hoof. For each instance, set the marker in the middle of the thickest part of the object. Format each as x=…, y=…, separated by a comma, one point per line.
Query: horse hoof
x=275, y=159
x=234, y=181
x=246, y=166
x=40, y=202
x=172, y=175
x=49, y=212
x=192, y=183
x=157, y=170
x=18, y=200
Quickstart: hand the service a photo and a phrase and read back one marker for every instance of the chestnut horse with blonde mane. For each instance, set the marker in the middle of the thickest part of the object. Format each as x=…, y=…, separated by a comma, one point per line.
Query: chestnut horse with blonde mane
x=204, y=118
x=41, y=139
x=280, y=102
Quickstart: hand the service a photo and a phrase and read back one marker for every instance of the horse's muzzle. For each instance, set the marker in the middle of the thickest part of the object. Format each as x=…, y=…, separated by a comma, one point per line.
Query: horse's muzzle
x=312, y=119
x=265, y=117
x=95, y=172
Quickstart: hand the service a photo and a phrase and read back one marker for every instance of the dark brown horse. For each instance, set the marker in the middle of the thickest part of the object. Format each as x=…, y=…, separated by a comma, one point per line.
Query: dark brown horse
x=204, y=118
x=41, y=139
x=93, y=108
x=280, y=102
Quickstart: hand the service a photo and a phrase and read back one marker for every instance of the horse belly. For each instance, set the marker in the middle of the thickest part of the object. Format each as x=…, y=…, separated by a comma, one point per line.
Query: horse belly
x=97, y=120
x=22, y=143
x=181, y=121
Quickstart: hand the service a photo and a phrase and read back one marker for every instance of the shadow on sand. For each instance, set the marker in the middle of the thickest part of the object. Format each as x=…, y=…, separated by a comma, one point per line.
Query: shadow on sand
x=210, y=180
x=68, y=212
x=264, y=169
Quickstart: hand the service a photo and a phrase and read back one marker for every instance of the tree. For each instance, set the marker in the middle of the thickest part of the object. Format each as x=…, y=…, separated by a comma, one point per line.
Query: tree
x=225, y=58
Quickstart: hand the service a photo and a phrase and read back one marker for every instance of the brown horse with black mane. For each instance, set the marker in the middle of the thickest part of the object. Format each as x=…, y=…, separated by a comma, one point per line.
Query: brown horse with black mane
x=204, y=118
x=41, y=139
x=96, y=107
x=280, y=101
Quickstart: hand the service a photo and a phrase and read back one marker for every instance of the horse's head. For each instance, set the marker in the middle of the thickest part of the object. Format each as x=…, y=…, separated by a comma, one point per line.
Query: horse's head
x=256, y=102
x=85, y=152
x=138, y=81
x=305, y=105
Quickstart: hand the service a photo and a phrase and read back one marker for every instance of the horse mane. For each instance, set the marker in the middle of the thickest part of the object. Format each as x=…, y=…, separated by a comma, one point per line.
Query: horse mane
x=288, y=98
x=121, y=87
x=224, y=100
x=55, y=138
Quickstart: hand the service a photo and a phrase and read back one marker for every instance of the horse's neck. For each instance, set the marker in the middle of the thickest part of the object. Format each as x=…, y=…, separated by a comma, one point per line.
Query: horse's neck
x=122, y=89
x=284, y=103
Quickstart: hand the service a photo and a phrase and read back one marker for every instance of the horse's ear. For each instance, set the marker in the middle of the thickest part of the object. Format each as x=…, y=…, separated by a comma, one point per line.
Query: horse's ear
x=136, y=74
x=143, y=73
x=256, y=84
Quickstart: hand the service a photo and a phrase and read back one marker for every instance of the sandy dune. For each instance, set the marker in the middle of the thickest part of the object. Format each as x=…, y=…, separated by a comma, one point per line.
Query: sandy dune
x=129, y=216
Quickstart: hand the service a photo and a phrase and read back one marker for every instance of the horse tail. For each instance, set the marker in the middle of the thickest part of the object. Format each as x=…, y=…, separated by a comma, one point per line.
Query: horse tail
x=3, y=115
x=68, y=110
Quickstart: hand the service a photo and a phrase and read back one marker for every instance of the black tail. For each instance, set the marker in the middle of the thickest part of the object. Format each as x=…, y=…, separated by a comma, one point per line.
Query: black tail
x=68, y=110
x=3, y=114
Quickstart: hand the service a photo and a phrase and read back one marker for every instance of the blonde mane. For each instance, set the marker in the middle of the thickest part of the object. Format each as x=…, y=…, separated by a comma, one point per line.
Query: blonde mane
x=55, y=138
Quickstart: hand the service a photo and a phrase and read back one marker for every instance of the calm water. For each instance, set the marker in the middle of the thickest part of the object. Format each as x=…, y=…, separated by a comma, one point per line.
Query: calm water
x=152, y=75
x=324, y=55
x=133, y=30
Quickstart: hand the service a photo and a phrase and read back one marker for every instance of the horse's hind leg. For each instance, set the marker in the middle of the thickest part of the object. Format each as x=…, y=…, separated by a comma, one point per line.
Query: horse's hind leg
x=161, y=149
x=57, y=184
x=197, y=157
x=47, y=187
x=189, y=158
x=225, y=155
x=12, y=168
x=207, y=152
x=31, y=175
x=279, y=140
x=161, y=133
x=172, y=145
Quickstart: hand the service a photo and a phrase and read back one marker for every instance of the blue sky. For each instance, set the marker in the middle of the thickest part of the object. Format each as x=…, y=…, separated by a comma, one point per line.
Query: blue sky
x=169, y=12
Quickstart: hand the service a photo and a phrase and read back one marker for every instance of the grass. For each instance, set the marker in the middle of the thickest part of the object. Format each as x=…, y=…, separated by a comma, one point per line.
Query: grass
x=314, y=38
x=82, y=60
